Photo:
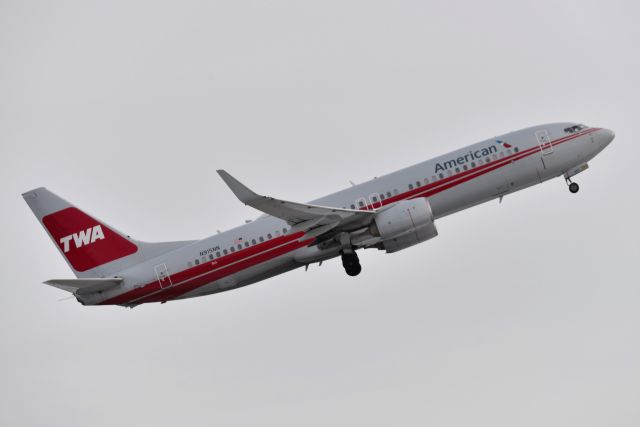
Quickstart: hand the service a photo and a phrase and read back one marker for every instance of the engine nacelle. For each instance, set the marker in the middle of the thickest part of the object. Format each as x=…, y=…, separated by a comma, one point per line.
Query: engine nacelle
x=405, y=224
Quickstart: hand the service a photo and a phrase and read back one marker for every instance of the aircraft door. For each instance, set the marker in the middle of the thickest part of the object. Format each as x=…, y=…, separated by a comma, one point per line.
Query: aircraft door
x=542, y=136
x=162, y=273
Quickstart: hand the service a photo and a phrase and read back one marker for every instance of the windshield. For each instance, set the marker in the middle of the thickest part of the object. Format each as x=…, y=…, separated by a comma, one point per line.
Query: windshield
x=576, y=128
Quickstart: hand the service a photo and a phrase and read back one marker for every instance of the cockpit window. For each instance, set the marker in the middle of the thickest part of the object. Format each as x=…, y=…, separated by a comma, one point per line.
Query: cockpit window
x=574, y=129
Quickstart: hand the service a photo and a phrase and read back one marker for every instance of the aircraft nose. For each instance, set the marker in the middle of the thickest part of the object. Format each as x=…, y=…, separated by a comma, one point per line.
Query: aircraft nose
x=607, y=136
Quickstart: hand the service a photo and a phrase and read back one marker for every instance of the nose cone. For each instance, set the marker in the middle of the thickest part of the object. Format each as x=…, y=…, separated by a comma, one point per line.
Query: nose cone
x=606, y=136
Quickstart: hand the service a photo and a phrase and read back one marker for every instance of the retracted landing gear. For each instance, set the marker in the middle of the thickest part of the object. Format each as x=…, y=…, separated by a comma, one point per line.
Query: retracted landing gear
x=351, y=263
x=573, y=186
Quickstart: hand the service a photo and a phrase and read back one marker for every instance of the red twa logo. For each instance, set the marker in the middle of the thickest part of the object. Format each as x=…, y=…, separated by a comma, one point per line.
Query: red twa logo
x=84, y=241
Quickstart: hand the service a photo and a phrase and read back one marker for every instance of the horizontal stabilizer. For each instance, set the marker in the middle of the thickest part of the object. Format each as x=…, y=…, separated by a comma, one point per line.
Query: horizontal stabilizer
x=85, y=286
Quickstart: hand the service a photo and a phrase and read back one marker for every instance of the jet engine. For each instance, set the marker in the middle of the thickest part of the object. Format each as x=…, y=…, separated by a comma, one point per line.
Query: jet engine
x=405, y=224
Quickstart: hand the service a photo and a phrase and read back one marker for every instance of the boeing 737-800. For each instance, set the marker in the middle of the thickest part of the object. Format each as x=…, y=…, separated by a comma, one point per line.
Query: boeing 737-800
x=390, y=213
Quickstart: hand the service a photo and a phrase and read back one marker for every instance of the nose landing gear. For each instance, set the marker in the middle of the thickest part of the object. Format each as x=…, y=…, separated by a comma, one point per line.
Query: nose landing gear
x=573, y=186
x=351, y=263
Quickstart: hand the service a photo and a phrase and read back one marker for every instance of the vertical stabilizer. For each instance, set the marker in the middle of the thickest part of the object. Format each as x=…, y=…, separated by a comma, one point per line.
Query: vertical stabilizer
x=90, y=247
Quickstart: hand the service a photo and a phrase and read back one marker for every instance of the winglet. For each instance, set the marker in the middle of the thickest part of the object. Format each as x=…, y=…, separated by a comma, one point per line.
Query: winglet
x=241, y=191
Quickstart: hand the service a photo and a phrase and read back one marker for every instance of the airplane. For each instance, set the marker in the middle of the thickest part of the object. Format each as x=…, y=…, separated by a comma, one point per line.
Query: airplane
x=389, y=213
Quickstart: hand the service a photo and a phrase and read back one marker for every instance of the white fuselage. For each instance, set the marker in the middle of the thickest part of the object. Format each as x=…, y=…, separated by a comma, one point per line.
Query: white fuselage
x=264, y=248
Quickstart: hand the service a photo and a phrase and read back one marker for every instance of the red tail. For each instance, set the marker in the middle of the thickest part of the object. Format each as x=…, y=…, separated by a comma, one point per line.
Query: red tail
x=90, y=247
x=84, y=241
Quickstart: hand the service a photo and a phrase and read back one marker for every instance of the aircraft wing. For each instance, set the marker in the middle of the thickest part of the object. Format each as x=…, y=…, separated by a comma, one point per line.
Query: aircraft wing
x=297, y=213
x=85, y=286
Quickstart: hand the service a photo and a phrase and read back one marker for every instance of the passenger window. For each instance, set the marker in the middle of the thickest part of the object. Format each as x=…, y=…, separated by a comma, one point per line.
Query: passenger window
x=353, y=206
x=509, y=151
x=464, y=167
x=374, y=198
x=197, y=262
x=361, y=203
x=488, y=160
x=239, y=246
x=410, y=186
x=232, y=249
x=225, y=252
x=388, y=193
x=261, y=239
x=473, y=164
x=269, y=236
x=516, y=149
x=441, y=176
x=211, y=257
x=253, y=241
x=417, y=183
x=433, y=178
x=217, y=254
x=381, y=196
x=246, y=244
x=457, y=170
x=284, y=230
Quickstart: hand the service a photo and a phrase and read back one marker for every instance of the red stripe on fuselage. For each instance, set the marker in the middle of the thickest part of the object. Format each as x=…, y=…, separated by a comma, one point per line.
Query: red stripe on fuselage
x=458, y=178
x=192, y=278
x=190, y=285
x=181, y=277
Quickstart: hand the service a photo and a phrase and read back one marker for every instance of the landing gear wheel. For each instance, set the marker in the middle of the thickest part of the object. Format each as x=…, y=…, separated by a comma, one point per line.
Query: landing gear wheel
x=574, y=187
x=351, y=264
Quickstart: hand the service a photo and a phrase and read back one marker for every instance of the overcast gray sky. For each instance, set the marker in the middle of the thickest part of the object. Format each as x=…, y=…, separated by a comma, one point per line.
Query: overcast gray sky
x=519, y=314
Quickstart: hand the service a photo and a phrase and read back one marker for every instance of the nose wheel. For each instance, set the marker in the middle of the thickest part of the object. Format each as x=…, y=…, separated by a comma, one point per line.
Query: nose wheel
x=574, y=187
x=351, y=264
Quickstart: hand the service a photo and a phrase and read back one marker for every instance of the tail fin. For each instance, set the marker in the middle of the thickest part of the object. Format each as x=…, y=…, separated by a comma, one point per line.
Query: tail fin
x=90, y=247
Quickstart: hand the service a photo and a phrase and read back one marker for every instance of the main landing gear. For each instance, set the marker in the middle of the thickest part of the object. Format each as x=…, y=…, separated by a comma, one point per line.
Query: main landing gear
x=351, y=263
x=573, y=186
